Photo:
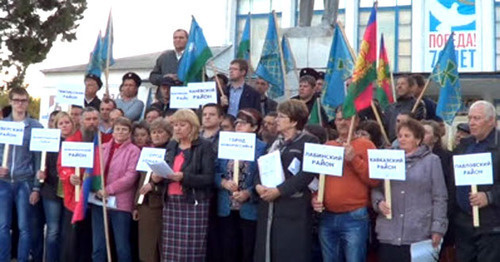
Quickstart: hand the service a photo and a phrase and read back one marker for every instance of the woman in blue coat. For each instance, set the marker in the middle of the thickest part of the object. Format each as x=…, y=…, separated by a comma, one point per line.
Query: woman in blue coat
x=237, y=203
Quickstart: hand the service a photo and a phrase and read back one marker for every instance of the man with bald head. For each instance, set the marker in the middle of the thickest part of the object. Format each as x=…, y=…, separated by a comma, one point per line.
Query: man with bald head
x=478, y=243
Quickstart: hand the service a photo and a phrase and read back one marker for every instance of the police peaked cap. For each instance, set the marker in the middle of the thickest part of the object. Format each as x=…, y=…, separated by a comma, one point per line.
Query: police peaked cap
x=133, y=76
x=95, y=78
x=309, y=72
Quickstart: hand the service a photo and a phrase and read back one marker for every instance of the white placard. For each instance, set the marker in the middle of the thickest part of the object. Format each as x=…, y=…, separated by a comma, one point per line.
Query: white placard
x=11, y=133
x=161, y=168
x=179, y=97
x=77, y=154
x=202, y=93
x=473, y=169
x=423, y=251
x=71, y=95
x=387, y=164
x=150, y=155
x=45, y=139
x=270, y=169
x=237, y=146
x=323, y=159
x=193, y=96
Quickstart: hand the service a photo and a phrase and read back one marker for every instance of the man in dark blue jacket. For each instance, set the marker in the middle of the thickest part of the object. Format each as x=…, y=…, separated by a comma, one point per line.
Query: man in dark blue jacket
x=239, y=95
x=478, y=243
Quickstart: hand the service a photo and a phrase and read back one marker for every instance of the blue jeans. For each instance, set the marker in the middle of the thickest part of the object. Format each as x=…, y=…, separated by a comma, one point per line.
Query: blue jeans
x=37, y=218
x=53, y=209
x=17, y=193
x=120, y=225
x=344, y=236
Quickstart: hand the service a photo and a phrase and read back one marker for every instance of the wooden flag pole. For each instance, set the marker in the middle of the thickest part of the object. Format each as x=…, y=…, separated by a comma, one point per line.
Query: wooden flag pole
x=388, y=197
x=353, y=54
x=5, y=158
x=421, y=94
x=236, y=172
x=351, y=129
x=321, y=184
x=77, y=187
x=42, y=164
x=146, y=181
x=475, y=209
x=217, y=80
x=104, y=209
x=379, y=121
x=108, y=54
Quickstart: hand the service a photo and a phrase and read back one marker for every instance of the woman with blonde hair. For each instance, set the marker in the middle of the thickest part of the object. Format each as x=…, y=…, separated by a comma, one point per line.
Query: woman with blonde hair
x=188, y=189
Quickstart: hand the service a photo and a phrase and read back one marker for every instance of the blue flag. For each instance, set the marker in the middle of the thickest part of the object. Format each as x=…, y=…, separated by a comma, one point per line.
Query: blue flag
x=287, y=54
x=107, y=43
x=445, y=74
x=339, y=69
x=243, y=51
x=270, y=67
x=195, y=56
x=94, y=66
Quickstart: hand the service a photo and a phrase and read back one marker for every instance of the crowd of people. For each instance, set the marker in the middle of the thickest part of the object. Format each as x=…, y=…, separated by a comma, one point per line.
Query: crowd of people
x=199, y=212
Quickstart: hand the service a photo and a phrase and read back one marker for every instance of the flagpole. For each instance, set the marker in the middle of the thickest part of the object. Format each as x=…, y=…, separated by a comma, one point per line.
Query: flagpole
x=422, y=93
x=293, y=59
x=287, y=90
x=103, y=185
x=250, y=67
x=108, y=54
x=321, y=185
x=379, y=121
x=351, y=50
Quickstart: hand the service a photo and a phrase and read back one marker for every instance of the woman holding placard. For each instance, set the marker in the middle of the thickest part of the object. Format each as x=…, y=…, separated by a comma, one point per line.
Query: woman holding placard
x=49, y=191
x=187, y=195
x=418, y=204
x=284, y=222
x=149, y=213
x=75, y=239
x=120, y=158
x=237, y=201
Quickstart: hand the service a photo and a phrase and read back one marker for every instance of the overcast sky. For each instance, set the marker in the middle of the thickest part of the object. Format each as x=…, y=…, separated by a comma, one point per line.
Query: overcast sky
x=140, y=27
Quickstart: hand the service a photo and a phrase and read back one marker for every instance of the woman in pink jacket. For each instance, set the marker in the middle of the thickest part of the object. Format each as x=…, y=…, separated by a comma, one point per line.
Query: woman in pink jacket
x=120, y=159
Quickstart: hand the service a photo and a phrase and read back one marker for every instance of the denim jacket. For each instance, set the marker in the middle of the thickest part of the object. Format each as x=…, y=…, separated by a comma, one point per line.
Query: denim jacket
x=248, y=209
x=23, y=163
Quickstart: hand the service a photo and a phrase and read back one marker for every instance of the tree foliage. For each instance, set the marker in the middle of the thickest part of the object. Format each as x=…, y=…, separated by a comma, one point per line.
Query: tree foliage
x=28, y=28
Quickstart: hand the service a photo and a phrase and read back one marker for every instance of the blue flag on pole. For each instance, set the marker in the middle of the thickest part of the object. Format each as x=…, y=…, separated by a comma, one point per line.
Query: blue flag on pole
x=195, y=56
x=94, y=66
x=287, y=54
x=243, y=51
x=270, y=67
x=107, y=43
x=445, y=74
x=339, y=69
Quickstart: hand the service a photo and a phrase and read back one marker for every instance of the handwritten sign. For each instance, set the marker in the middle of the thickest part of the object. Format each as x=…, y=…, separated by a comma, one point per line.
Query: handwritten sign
x=270, y=169
x=387, y=164
x=237, y=146
x=202, y=93
x=45, y=139
x=71, y=95
x=473, y=169
x=150, y=155
x=323, y=159
x=11, y=133
x=77, y=154
x=193, y=96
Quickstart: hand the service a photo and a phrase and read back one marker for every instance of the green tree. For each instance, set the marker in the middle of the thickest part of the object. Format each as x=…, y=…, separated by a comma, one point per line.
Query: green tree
x=28, y=28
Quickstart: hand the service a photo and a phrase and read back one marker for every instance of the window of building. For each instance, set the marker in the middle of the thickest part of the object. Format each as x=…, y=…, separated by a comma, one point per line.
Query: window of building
x=497, y=33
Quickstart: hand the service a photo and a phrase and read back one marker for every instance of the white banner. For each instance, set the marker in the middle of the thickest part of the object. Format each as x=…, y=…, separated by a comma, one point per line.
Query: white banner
x=387, y=164
x=150, y=155
x=473, y=169
x=11, y=133
x=193, y=96
x=45, y=139
x=71, y=94
x=237, y=146
x=323, y=159
x=77, y=154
